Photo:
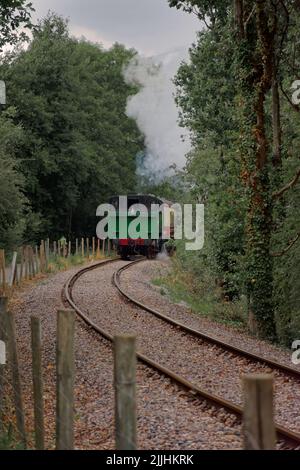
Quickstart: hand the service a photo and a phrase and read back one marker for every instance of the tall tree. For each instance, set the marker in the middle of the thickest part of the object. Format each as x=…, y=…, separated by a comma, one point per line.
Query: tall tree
x=15, y=17
x=261, y=32
x=81, y=147
x=12, y=201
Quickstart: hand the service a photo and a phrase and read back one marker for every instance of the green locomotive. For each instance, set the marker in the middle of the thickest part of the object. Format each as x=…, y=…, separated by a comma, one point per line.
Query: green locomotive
x=145, y=244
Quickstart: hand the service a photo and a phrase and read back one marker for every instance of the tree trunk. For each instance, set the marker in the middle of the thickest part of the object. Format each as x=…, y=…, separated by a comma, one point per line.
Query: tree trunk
x=276, y=123
x=256, y=62
x=239, y=16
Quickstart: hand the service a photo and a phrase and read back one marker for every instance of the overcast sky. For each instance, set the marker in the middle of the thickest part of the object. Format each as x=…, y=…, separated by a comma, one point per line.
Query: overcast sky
x=149, y=26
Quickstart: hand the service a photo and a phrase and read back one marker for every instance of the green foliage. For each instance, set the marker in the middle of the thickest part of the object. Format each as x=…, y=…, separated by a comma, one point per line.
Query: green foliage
x=225, y=100
x=171, y=188
x=190, y=282
x=60, y=263
x=214, y=11
x=12, y=200
x=8, y=440
x=15, y=17
x=206, y=96
x=80, y=146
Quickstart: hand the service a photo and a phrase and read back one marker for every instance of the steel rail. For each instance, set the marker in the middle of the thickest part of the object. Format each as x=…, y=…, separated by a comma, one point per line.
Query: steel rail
x=291, y=438
x=209, y=338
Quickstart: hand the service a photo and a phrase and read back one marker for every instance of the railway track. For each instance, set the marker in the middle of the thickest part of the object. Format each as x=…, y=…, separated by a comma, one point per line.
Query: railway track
x=198, y=334
x=289, y=439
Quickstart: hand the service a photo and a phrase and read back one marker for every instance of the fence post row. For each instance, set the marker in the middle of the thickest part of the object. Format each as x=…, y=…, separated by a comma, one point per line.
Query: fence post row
x=2, y=269
x=125, y=392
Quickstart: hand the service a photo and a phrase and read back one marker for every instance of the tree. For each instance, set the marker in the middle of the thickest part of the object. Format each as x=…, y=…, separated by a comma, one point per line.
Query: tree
x=210, y=12
x=261, y=32
x=14, y=15
x=12, y=200
x=80, y=146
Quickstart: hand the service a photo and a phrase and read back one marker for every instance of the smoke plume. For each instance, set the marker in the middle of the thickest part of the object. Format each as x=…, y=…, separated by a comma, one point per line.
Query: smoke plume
x=156, y=114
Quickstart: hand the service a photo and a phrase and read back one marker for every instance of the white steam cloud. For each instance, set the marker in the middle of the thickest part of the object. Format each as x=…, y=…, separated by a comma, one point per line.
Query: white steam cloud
x=156, y=114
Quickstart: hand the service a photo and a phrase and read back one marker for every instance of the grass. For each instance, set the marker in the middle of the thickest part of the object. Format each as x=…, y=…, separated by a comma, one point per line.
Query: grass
x=8, y=441
x=201, y=295
x=58, y=263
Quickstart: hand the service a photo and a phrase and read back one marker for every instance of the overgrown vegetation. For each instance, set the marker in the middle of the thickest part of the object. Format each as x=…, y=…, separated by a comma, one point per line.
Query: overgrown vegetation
x=60, y=263
x=235, y=96
x=76, y=145
x=8, y=440
x=191, y=284
x=66, y=145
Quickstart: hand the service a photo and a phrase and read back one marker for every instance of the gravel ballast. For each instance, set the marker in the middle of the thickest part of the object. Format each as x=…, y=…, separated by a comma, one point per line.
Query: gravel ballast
x=209, y=366
x=168, y=418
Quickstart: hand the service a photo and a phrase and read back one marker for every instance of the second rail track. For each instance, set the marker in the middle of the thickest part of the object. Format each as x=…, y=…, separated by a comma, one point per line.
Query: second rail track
x=290, y=438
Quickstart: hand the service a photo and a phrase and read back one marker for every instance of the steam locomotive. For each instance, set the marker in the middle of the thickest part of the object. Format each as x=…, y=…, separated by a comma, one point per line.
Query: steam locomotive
x=153, y=220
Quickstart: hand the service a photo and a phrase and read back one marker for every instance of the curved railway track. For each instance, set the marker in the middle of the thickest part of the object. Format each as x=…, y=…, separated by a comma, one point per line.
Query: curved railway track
x=288, y=437
x=198, y=334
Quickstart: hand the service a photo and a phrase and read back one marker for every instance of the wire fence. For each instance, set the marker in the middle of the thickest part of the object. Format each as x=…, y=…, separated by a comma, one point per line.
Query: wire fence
x=259, y=430
x=30, y=261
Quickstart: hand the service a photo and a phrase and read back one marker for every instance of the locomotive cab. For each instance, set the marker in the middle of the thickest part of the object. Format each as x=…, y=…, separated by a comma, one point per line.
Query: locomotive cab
x=142, y=245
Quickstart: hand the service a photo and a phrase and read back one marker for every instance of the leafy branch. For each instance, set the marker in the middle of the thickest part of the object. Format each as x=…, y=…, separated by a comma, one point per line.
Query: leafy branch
x=291, y=244
x=288, y=186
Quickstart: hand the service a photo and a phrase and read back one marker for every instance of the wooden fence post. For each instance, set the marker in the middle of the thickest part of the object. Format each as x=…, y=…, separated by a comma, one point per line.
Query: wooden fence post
x=37, y=264
x=26, y=274
x=46, y=255
x=125, y=392
x=34, y=271
x=70, y=249
x=29, y=262
x=76, y=249
x=259, y=427
x=3, y=338
x=103, y=247
x=21, y=263
x=42, y=258
x=88, y=247
x=82, y=247
x=38, y=386
x=16, y=382
x=93, y=242
x=13, y=271
x=47, y=249
x=65, y=380
x=3, y=269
